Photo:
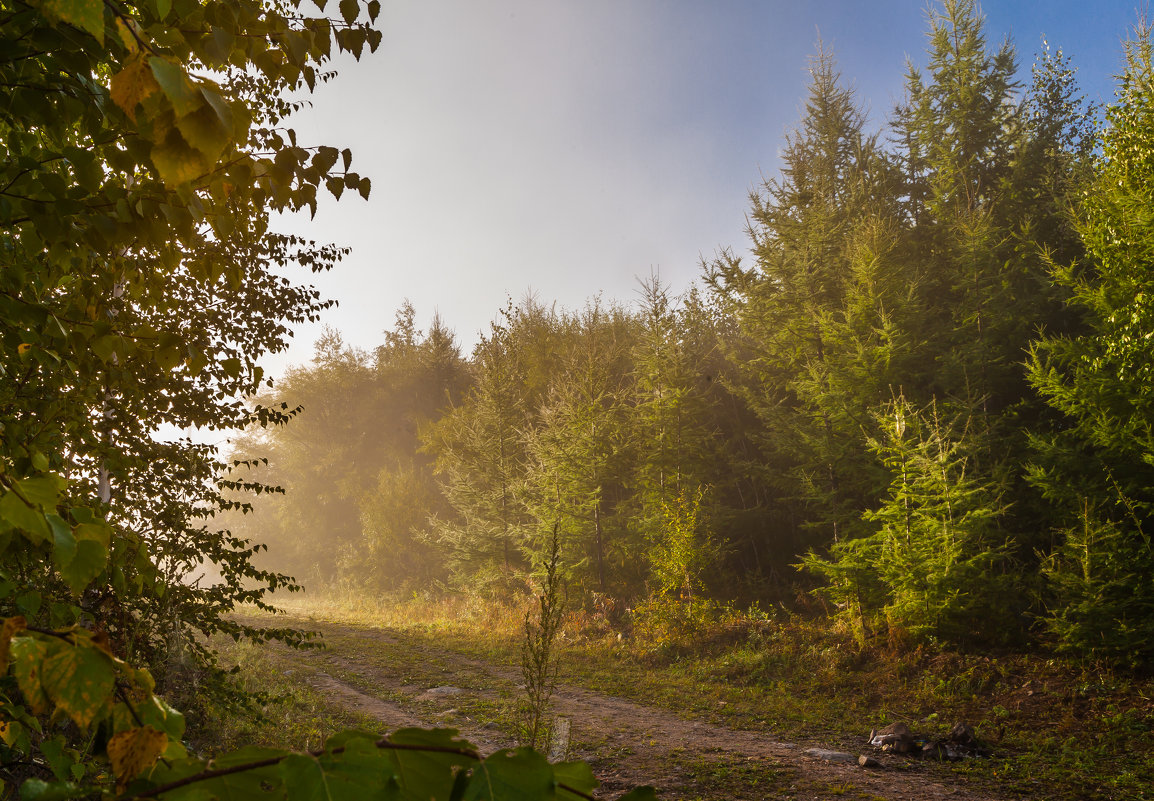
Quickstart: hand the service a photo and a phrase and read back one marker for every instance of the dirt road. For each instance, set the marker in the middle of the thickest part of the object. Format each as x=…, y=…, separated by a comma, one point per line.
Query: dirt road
x=400, y=681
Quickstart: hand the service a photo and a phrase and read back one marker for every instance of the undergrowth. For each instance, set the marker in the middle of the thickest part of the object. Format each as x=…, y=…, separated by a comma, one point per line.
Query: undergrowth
x=1057, y=729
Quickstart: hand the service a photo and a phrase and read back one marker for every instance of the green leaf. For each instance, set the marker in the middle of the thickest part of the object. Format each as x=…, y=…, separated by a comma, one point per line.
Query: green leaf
x=643, y=793
x=177, y=162
x=81, y=558
x=156, y=713
x=29, y=602
x=365, y=187
x=204, y=130
x=350, y=9
x=42, y=491
x=79, y=679
x=521, y=773
x=87, y=15
x=40, y=790
x=104, y=346
x=361, y=770
x=304, y=779
x=575, y=775
x=263, y=782
x=15, y=513
x=374, y=10
x=89, y=561
x=184, y=95
x=427, y=775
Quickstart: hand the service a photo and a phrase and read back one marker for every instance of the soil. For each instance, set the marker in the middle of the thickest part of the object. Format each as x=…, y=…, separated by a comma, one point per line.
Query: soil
x=400, y=682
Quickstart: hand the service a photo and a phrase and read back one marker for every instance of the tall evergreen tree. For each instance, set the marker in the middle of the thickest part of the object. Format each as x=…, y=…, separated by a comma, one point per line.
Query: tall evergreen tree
x=790, y=308
x=956, y=130
x=1100, y=467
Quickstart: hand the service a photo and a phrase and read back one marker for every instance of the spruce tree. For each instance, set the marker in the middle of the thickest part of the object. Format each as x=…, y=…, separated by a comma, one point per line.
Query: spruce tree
x=793, y=335
x=1100, y=467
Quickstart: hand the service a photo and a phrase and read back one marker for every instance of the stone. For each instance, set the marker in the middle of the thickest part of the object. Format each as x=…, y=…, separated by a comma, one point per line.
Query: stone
x=893, y=739
x=829, y=756
x=868, y=762
x=963, y=734
x=446, y=690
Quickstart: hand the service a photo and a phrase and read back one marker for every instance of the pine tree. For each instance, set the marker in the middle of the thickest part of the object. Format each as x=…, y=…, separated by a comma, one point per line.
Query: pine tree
x=955, y=131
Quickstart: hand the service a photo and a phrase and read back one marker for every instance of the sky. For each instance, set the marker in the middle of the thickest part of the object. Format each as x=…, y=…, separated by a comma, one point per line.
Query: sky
x=568, y=149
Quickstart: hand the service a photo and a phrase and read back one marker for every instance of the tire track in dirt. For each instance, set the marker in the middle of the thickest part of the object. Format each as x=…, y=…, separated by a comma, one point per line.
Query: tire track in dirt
x=628, y=744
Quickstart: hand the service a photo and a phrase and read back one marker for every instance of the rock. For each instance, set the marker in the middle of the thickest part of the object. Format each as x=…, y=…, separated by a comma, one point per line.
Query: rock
x=829, y=756
x=962, y=734
x=894, y=739
x=868, y=762
x=937, y=750
x=960, y=743
x=446, y=690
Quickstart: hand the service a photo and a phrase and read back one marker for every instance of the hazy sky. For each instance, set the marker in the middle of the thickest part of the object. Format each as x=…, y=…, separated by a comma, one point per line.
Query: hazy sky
x=569, y=147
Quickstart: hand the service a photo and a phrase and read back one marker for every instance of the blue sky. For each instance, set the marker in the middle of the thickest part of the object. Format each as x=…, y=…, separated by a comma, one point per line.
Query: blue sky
x=567, y=148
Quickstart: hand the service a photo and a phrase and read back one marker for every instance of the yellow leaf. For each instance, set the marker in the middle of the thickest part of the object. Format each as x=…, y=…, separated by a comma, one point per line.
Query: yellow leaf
x=11, y=626
x=134, y=751
x=129, y=32
x=87, y=15
x=28, y=655
x=80, y=680
x=23, y=348
x=133, y=84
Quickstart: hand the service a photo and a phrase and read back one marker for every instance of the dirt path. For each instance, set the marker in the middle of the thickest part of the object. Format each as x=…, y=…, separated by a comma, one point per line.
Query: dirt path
x=402, y=682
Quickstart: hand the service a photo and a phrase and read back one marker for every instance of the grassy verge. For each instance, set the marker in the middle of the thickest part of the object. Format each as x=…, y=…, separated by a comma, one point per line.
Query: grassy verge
x=1058, y=730
x=285, y=711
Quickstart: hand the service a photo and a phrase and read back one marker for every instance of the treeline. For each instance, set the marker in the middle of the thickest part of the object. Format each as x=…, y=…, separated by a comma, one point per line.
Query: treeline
x=926, y=394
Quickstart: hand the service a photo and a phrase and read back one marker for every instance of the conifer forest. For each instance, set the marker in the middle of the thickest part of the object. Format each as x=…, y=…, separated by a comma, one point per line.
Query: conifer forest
x=918, y=413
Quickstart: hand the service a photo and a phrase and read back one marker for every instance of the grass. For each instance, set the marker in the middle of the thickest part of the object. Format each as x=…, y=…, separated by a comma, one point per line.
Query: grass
x=1058, y=729
x=285, y=710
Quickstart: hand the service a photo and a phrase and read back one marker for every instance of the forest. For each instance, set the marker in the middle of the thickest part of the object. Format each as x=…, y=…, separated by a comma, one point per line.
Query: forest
x=919, y=405
x=917, y=415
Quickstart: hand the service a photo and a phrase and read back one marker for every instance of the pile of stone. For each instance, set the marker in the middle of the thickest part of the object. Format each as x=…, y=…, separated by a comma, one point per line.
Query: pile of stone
x=960, y=743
